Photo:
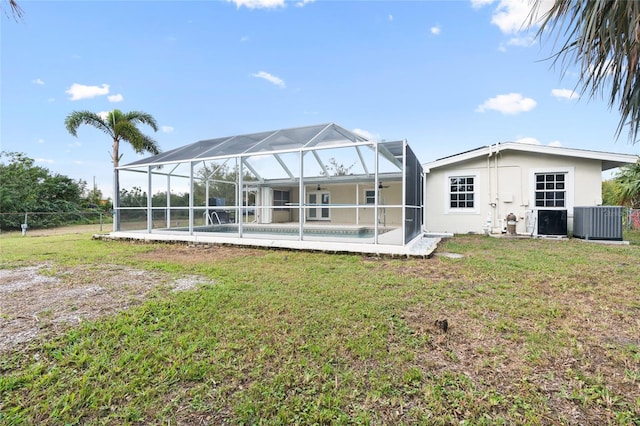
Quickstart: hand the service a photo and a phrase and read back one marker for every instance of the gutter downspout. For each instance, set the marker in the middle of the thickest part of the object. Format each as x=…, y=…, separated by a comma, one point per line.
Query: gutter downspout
x=490, y=217
x=497, y=200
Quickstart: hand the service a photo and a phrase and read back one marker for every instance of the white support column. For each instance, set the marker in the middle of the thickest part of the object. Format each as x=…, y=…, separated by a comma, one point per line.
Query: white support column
x=116, y=200
x=301, y=200
x=149, y=201
x=239, y=196
x=168, y=225
x=206, y=199
x=403, y=185
x=191, y=191
x=376, y=198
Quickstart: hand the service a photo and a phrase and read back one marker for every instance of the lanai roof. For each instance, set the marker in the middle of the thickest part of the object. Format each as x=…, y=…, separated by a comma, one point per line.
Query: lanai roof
x=283, y=140
x=280, y=143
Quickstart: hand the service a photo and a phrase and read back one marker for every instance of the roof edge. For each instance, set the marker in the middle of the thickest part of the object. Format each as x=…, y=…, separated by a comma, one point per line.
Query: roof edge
x=609, y=159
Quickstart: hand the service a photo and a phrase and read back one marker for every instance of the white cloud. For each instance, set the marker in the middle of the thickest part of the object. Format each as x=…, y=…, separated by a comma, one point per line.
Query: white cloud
x=258, y=4
x=44, y=160
x=38, y=81
x=528, y=141
x=476, y=4
x=522, y=41
x=80, y=91
x=75, y=144
x=390, y=18
x=270, y=78
x=512, y=103
x=103, y=114
x=115, y=98
x=519, y=41
x=513, y=16
x=244, y=39
x=166, y=129
x=565, y=94
x=365, y=134
x=40, y=140
x=436, y=30
x=303, y=3
x=78, y=162
x=555, y=143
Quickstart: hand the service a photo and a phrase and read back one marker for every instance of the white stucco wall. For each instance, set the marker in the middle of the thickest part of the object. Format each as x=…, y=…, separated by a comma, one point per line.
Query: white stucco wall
x=390, y=194
x=507, y=186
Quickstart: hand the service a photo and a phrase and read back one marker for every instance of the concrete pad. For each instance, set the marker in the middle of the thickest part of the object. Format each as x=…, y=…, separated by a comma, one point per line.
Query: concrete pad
x=421, y=246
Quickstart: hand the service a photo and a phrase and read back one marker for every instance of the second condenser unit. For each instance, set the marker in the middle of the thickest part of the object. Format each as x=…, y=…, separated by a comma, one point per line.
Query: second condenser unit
x=552, y=222
x=598, y=223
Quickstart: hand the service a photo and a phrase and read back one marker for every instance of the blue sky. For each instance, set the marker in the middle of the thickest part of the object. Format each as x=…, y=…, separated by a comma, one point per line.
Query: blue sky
x=448, y=76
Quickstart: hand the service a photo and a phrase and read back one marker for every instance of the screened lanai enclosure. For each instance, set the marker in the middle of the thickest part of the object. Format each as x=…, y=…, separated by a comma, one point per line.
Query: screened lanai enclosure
x=314, y=183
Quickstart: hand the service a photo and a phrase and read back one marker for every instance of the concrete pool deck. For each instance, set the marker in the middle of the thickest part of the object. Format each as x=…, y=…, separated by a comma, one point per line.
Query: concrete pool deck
x=422, y=246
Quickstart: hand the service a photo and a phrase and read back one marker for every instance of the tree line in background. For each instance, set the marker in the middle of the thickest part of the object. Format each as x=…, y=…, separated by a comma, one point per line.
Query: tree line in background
x=221, y=180
x=25, y=187
x=60, y=200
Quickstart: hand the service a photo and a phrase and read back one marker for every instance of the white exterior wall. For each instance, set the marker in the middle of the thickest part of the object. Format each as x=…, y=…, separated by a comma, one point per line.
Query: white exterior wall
x=390, y=194
x=507, y=187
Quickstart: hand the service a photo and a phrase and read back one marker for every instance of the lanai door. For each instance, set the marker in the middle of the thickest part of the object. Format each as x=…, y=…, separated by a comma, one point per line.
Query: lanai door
x=317, y=206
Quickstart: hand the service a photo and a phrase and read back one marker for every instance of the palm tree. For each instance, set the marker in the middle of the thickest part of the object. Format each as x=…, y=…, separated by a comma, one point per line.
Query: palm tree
x=603, y=38
x=629, y=185
x=120, y=127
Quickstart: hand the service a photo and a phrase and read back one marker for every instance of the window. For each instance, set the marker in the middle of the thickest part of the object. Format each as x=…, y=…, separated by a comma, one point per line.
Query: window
x=280, y=198
x=370, y=196
x=461, y=192
x=550, y=190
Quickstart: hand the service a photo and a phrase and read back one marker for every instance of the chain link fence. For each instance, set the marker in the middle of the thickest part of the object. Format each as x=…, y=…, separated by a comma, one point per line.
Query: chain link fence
x=43, y=220
x=631, y=219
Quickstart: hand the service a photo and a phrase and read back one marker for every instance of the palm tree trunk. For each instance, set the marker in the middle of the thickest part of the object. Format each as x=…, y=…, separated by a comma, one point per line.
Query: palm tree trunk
x=116, y=201
x=116, y=187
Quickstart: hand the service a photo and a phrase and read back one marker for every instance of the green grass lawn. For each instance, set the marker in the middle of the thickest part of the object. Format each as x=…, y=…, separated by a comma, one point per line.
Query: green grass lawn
x=540, y=332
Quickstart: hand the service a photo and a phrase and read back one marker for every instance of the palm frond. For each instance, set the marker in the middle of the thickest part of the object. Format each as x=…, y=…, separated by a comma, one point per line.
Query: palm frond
x=16, y=10
x=139, y=117
x=603, y=39
x=127, y=131
x=77, y=118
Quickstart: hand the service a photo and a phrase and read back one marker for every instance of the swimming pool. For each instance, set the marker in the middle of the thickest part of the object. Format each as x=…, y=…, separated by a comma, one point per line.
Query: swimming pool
x=291, y=230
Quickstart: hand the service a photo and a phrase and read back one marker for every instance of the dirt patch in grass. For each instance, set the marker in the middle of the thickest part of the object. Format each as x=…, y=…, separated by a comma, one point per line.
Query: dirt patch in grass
x=44, y=300
x=199, y=254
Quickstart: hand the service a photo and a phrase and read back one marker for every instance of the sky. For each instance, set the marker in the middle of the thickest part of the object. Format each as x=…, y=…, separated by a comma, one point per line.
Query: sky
x=447, y=76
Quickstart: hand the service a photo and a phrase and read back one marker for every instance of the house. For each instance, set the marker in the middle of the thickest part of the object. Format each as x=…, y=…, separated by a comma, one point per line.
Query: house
x=325, y=187
x=475, y=191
